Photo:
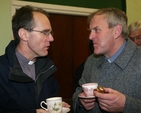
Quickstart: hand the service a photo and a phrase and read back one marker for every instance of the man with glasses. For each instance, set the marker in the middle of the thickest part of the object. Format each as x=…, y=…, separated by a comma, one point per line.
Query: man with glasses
x=135, y=32
x=25, y=68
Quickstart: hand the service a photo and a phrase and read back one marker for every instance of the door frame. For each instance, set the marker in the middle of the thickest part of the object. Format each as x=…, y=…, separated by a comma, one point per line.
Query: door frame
x=51, y=8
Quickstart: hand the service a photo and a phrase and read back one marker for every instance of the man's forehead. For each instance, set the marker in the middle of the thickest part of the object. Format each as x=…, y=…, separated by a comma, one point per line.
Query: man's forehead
x=41, y=21
x=98, y=20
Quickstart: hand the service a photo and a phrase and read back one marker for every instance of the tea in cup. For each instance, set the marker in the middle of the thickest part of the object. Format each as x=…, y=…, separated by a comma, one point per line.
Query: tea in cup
x=54, y=104
x=88, y=89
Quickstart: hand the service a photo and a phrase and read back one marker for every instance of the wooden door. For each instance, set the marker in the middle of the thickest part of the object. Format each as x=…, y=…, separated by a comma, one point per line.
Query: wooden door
x=69, y=49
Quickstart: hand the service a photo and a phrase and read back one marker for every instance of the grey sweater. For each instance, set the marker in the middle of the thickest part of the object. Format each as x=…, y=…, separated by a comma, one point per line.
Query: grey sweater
x=123, y=75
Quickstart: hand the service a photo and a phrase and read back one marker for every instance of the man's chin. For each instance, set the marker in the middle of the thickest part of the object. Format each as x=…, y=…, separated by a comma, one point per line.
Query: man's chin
x=44, y=54
x=96, y=53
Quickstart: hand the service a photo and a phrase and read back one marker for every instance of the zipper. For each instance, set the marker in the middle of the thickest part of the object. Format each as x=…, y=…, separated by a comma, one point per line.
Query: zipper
x=44, y=72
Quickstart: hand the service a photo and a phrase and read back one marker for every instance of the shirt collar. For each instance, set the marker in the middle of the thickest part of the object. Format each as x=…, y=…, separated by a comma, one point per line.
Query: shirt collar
x=112, y=58
x=23, y=59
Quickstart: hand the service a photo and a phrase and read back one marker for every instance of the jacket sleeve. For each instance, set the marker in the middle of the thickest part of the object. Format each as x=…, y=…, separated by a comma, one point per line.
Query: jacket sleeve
x=132, y=105
x=78, y=108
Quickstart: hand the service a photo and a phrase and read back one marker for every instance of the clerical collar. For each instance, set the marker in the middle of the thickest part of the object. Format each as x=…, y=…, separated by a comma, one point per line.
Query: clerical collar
x=23, y=59
x=31, y=62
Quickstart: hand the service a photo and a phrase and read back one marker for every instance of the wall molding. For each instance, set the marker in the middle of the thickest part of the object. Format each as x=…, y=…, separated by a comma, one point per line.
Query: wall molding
x=58, y=9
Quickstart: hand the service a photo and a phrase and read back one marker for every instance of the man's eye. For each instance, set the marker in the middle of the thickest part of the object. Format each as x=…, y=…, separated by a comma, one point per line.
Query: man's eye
x=139, y=37
x=48, y=33
x=96, y=30
x=45, y=32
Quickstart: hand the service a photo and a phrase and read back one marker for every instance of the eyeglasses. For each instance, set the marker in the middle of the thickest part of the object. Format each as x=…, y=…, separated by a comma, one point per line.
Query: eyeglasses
x=138, y=38
x=45, y=32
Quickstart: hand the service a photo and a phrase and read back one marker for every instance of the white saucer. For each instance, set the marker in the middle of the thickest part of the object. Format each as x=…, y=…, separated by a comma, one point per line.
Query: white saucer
x=65, y=110
x=82, y=96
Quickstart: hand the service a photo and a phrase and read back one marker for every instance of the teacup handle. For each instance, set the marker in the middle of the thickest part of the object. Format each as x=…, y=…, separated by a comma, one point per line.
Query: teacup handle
x=43, y=102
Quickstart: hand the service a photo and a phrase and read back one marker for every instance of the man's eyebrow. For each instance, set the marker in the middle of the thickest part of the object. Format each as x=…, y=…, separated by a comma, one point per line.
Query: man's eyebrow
x=131, y=37
x=135, y=36
x=96, y=27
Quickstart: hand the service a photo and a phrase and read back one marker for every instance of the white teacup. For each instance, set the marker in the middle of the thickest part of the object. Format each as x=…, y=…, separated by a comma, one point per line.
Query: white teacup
x=88, y=89
x=54, y=104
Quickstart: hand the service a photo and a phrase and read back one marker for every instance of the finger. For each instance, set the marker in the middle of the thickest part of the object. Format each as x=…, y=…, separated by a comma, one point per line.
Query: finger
x=105, y=108
x=88, y=106
x=64, y=104
x=99, y=95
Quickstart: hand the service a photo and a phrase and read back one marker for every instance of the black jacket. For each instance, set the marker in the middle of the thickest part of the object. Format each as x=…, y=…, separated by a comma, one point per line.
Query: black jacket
x=18, y=92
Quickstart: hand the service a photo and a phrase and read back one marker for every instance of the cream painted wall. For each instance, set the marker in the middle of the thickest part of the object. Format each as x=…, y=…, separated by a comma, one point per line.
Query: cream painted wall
x=5, y=24
x=133, y=10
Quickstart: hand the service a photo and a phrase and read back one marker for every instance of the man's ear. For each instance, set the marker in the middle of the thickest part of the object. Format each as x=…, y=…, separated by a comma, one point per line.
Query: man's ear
x=23, y=34
x=118, y=30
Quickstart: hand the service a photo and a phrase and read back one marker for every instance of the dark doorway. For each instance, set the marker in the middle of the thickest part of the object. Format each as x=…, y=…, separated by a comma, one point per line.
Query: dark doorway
x=69, y=49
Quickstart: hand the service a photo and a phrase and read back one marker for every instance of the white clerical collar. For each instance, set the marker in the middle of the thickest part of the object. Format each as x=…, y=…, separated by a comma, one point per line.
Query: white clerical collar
x=31, y=62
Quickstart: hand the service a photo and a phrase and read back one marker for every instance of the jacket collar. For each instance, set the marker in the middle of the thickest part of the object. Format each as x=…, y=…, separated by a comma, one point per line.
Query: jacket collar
x=43, y=66
x=16, y=73
x=125, y=56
